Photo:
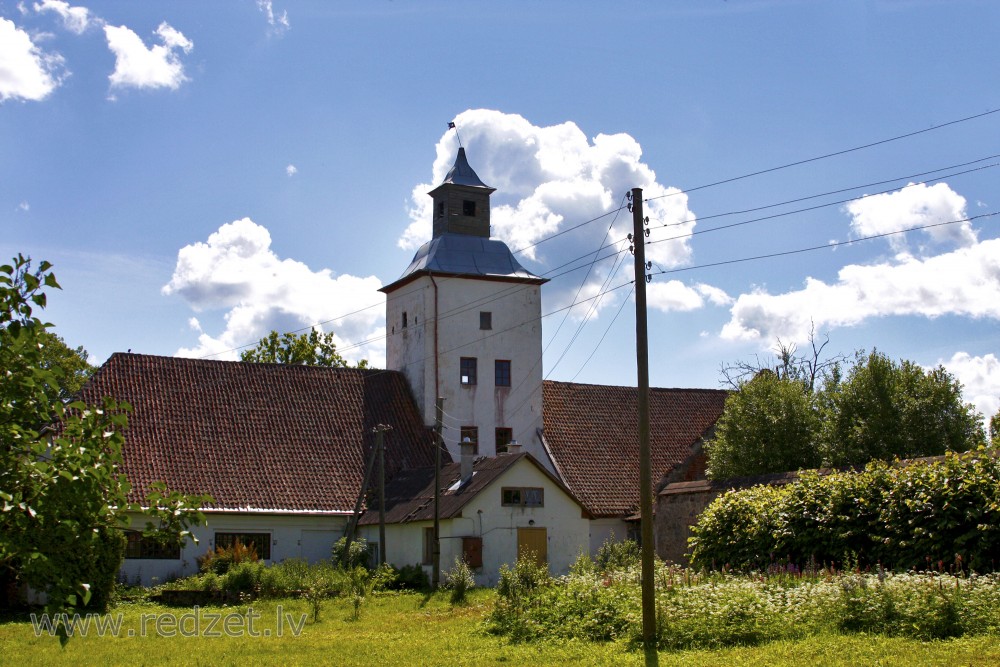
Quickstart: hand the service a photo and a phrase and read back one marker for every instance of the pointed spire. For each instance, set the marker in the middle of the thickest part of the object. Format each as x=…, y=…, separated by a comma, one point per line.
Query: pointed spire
x=462, y=174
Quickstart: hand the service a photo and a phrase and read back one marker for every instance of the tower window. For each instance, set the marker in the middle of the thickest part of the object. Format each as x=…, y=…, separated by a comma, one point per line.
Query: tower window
x=485, y=319
x=404, y=319
x=440, y=212
x=468, y=208
x=467, y=367
x=502, y=372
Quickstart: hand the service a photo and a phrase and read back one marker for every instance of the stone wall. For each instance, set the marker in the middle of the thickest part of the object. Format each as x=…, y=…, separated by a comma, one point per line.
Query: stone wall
x=678, y=505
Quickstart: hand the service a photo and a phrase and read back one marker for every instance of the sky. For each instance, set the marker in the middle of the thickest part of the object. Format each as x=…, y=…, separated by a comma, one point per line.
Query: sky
x=202, y=173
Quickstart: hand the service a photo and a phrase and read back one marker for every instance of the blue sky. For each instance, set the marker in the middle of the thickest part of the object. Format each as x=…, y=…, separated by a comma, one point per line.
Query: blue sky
x=200, y=173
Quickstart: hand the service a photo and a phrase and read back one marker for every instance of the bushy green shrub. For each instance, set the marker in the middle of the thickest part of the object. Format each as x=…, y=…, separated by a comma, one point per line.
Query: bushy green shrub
x=613, y=555
x=410, y=577
x=936, y=514
x=459, y=580
x=356, y=557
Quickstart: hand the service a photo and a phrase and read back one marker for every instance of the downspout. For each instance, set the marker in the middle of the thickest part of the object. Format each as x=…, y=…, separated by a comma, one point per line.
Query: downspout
x=437, y=385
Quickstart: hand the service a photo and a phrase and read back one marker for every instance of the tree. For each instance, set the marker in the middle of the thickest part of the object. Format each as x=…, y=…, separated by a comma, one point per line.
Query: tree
x=787, y=363
x=885, y=410
x=70, y=365
x=309, y=349
x=995, y=429
x=872, y=409
x=63, y=499
x=768, y=425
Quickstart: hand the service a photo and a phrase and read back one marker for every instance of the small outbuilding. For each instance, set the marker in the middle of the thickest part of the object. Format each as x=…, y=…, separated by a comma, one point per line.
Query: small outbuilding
x=492, y=511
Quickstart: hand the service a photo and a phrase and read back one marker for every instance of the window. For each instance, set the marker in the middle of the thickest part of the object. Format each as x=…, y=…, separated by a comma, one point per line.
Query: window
x=260, y=541
x=440, y=213
x=468, y=370
x=522, y=496
x=504, y=437
x=485, y=319
x=468, y=208
x=404, y=319
x=139, y=546
x=428, y=546
x=472, y=433
x=502, y=368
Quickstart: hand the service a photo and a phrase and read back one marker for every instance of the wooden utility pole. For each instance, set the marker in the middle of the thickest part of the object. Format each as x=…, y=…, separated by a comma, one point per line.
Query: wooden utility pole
x=352, y=524
x=438, y=443
x=380, y=444
x=645, y=465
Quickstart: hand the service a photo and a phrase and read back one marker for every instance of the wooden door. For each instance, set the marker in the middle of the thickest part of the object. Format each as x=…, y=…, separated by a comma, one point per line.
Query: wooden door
x=533, y=541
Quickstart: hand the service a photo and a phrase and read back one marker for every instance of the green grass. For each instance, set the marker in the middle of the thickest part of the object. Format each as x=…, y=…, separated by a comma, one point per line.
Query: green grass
x=411, y=629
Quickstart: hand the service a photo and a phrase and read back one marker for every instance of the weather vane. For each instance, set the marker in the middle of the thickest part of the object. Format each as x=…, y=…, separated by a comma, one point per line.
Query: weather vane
x=452, y=126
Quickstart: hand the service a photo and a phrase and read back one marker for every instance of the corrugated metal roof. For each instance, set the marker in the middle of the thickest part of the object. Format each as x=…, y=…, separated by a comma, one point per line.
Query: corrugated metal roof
x=463, y=174
x=461, y=254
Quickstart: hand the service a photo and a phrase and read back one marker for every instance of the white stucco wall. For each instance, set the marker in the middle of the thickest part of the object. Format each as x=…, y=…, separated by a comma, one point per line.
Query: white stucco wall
x=602, y=530
x=516, y=335
x=292, y=536
x=567, y=531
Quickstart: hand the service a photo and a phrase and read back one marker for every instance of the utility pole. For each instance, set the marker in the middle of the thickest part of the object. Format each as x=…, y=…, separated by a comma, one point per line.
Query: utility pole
x=380, y=445
x=352, y=524
x=645, y=466
x=438, y=443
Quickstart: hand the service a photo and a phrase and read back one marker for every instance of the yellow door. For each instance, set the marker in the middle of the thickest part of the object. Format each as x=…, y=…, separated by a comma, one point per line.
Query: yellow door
x=533, y=542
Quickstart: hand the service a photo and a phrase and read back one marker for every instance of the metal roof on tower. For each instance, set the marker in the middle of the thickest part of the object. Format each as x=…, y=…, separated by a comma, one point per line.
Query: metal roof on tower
x=461, y=245
x=463, y=174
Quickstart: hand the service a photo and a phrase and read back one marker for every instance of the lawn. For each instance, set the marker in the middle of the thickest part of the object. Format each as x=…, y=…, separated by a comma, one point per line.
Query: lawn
x=411, y=629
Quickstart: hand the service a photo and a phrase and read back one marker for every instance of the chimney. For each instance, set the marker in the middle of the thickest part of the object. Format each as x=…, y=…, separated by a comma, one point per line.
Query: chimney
x=468, y=457
x=514, y=448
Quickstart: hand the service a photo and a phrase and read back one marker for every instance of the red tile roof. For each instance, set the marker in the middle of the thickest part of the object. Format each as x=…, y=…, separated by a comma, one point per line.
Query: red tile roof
x=592, y=435
x=265, y=437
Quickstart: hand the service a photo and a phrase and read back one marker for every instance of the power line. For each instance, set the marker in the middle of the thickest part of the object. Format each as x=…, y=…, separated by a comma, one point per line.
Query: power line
x=835, y=192
x=834, y=244
x=826, y=155
x=810, y=208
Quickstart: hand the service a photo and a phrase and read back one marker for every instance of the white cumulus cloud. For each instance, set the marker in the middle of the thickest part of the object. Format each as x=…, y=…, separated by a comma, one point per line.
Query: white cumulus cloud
x=913, y=206
x=980, y=378
x=236, y=271
x=26, y=72
x=965, y=282
x=549, y=179
x=291, y=170
x=673, y=295
x=137, y=66
x=76, y=19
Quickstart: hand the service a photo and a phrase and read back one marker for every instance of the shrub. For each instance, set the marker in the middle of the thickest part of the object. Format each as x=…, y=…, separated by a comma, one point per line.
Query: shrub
x=936, y=514
x=357, y=557
x=618, y=555
x=410, y=577
x=223, y=558
x=459, y=580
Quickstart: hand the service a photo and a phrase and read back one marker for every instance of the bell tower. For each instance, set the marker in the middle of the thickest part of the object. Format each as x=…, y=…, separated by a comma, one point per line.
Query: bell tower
x=464, y=323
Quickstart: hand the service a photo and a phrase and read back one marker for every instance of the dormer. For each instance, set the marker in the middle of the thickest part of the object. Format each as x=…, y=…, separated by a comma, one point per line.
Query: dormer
x=462, y=202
